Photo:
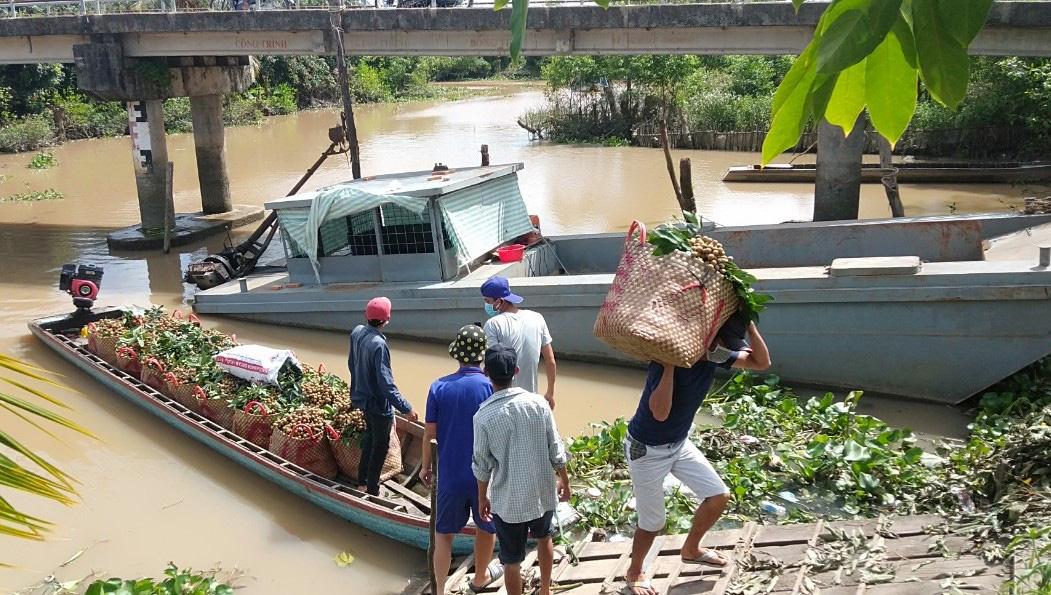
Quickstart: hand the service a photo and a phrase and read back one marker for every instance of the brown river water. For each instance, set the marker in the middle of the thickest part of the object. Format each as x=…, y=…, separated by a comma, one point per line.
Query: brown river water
x=149, y=495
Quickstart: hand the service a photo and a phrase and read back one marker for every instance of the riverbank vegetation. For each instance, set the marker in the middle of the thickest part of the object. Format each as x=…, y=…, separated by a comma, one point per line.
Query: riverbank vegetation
x=591, y=99
x=819, y=458
x=41, y=105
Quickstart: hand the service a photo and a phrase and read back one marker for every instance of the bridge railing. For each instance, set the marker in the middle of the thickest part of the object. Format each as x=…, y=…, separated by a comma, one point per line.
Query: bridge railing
x=47, y=8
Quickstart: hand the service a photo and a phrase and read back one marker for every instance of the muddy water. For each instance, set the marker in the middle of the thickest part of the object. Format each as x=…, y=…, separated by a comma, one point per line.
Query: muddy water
x=150, y=496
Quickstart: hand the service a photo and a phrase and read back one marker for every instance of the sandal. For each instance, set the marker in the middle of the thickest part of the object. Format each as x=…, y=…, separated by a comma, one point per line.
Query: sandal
x=496, y=570
x=710, y=557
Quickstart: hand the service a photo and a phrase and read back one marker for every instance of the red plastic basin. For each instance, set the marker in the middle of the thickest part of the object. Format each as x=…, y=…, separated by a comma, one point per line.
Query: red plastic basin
x=512, y=253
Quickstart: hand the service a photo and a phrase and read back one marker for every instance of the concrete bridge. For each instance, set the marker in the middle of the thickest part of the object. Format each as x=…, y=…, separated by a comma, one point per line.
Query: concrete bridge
x=1014, y=28
x=145, y=58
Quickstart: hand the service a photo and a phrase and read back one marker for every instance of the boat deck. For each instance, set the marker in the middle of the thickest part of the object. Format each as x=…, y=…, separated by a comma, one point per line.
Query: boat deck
x=901, y=556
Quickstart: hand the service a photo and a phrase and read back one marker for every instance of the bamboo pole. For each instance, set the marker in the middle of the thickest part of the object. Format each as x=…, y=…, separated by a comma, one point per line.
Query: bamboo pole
x=434, y=515
x=169, y=205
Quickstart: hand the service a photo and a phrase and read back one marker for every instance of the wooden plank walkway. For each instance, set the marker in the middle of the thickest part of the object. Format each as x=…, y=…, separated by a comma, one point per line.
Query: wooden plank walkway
x=898, y=556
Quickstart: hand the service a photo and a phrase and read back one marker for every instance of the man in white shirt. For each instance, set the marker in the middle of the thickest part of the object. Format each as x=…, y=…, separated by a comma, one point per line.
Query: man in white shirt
x=525, y=331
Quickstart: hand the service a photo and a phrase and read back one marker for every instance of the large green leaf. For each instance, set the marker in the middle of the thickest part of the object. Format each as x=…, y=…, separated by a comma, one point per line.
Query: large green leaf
x=850, y=29
x=794, y=76
x=890, y=82
x=942, y=59
x=788, y=122
x=963, y=19
x=847, y=99
x=519, y=9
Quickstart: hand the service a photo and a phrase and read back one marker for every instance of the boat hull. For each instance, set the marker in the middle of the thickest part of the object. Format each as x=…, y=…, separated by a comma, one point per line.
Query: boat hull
x=906, y=173
x=332, y=496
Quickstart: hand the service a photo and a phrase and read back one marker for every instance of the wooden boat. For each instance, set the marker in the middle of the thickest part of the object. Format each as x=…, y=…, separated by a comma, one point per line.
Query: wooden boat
x=908, y=173
x=402, y=512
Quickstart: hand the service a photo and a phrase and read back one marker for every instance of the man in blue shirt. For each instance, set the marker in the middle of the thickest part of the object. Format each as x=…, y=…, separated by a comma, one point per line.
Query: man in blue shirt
x=451, y=404
x=658, y=444
x=372, y=390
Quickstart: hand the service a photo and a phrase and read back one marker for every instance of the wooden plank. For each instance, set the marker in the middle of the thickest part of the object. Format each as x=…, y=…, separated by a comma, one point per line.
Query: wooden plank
x=783, y=534
x=713, y=539
x=974, y=584
x=791, y=555
x=454, y=580
x=913, y=525
x=919, y=546
x=409, y=495
x=938, y=568
x=744, y=545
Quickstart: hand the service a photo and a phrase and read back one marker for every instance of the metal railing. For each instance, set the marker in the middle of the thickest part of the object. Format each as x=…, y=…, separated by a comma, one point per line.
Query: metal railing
x=48, y=8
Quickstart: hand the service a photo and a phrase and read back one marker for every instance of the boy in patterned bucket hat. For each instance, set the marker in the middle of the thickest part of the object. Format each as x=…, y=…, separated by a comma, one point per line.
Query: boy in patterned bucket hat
x=451, y=405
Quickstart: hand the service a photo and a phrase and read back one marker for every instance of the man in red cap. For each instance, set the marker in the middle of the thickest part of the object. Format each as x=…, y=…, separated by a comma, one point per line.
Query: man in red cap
x=372, y=390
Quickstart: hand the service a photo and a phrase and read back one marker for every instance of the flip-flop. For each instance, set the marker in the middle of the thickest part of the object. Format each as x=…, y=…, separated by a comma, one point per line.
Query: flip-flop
x=496, y=570
x=643, y=584
x=709, y=558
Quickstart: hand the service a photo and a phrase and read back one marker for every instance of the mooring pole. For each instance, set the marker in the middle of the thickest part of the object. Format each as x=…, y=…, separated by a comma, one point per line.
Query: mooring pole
x=169, y=205
x=335, y=17
x=485, y=155
x=434, y=515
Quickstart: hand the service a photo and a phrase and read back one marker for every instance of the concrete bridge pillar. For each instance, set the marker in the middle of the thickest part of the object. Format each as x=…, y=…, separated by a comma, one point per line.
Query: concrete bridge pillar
x=209, y=138
x=837, y=187
x=149, y=149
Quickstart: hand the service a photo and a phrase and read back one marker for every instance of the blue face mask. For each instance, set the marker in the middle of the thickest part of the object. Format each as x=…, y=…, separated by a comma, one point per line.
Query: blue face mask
x=490, y=310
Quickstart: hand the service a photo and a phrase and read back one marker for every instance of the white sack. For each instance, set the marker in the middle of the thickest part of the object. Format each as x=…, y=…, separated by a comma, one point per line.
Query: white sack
x=255, y=363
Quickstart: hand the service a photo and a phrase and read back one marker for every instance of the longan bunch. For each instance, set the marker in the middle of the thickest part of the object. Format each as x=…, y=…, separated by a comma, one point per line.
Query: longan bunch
x=320, y=393
x=349, y=422
x=313, y=417
x=109, y=328
x=711, y=252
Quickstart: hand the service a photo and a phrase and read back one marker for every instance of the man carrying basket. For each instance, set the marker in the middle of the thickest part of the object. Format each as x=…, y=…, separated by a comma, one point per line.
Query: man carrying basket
x=658, y=444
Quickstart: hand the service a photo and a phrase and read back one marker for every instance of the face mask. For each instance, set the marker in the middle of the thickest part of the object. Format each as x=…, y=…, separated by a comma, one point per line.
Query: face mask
x=490, y=310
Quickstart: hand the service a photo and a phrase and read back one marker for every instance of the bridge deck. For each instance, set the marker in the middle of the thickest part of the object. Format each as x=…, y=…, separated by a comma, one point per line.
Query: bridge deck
x=899, y=557
x=1013, y=28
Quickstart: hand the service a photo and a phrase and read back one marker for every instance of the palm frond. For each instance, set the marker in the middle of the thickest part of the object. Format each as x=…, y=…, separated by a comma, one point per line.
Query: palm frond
x=50, y=482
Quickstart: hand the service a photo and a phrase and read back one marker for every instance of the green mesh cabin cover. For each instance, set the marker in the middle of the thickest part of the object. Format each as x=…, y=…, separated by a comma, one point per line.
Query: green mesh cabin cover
x=476, y=219
x=482, y=217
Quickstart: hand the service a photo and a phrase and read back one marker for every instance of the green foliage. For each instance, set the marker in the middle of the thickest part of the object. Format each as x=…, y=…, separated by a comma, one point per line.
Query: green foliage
x=35, y=196
x=26, y=134
x=446, y=68
x=42, y=160
x=282, y=99
x=88, y=118
x=928, y=37
x=21, y=468
x=177, y=582
x=367, y=85
x=311, y=77
x=32, y=86
x=155, y=71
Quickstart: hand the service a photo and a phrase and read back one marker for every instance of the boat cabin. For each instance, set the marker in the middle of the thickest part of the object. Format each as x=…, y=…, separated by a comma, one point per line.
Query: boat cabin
x=416, y=226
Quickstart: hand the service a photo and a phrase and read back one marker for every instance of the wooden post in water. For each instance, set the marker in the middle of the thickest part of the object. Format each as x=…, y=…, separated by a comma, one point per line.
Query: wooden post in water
x=667, y=160
x=335, y=18
x=485, y=155
x=169, y=205
x=890, y=178
x=689, y=203
x=434, y=509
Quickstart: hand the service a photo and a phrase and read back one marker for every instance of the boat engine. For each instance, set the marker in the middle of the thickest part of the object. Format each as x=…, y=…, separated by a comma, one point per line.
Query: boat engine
x=83, y=283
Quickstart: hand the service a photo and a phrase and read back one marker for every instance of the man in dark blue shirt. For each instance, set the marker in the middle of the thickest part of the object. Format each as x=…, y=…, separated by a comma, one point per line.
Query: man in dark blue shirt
x=372, y=390
x=451, y=404
x=658, y=444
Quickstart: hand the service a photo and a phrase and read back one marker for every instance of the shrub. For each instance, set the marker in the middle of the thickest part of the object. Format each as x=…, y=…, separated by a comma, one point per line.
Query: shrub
x=87, y=118
x=445, y=68
x=282, y=100
x=26, y=134
x=177, y=115
x=244, y=108
x=367, y=86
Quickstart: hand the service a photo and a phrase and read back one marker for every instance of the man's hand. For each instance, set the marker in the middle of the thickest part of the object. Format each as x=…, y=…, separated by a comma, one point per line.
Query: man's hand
x=550, y=397
x=425, y=476
x=413, y=416
x=485, y=509
x=564, y=493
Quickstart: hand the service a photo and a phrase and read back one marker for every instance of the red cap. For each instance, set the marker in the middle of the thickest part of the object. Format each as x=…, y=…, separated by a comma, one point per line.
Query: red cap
x=378, y=309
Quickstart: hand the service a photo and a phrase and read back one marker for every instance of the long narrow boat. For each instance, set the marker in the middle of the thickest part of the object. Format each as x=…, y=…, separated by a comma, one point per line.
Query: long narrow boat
x=908, y=173
x=401, y=513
